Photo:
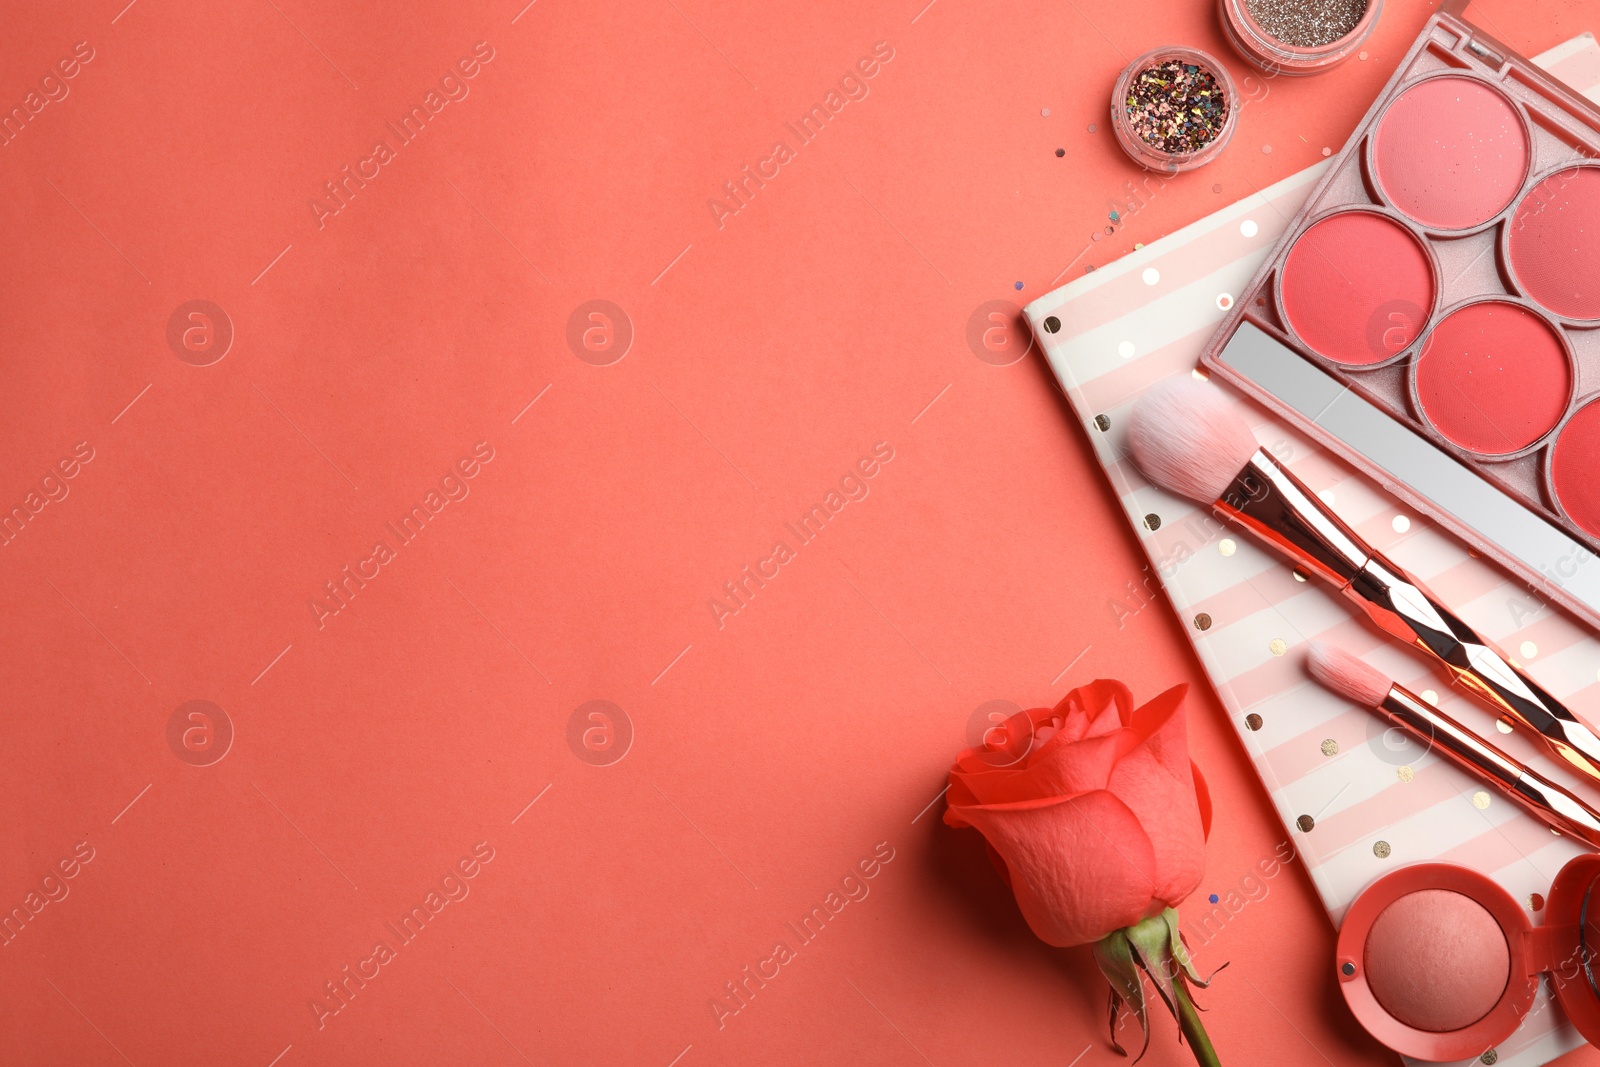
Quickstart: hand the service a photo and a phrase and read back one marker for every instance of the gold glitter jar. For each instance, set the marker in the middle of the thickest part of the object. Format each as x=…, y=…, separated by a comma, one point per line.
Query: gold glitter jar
x=1297, y=37
x=1174, y=109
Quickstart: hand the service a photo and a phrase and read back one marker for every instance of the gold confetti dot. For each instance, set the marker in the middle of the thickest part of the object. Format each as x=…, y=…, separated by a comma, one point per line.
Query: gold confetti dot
x=1102, y=422
x=1490, y=1057
x=1381, y=849
x=1253, y=721
x=1152, y=522
x=1299, y=574
x=1430, y=696
x=1277, y=647
x=1330, y=747
x=1503, y=725
x=1535, y=901
x=1529, y=650
x=1306, y=823
x=1480, y=800
x=1405, y=774
x=1202, y=621
x=1227, y=546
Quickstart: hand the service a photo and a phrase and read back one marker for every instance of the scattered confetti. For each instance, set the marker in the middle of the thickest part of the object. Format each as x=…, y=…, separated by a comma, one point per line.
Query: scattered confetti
x=1092, y=127
x=1213, y=898
x=1216, y=188
x=1019, y=285
x=1114, y=217
x=1325, y=151
x=1308, y=23
x=1045, y=112
x=1266, y=150
x=1060, y=152
x=1176, y=107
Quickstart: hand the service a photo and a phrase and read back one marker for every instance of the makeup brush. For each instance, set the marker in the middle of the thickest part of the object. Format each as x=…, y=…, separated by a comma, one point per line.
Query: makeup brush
x=1190, y=439
x=1364, y=684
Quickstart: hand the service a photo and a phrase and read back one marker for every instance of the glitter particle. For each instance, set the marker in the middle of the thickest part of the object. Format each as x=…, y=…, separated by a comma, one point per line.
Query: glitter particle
x=1224, y=301
x=1060, y=152
x=1306, y=823
x=1092, y=127
x=1019, y=285
x=1227, y=546
x=1277, y=647
x=1529, y=650
x=1405, y=774
x=1401, y=524
x=1327, y=151
x=1212, y=898
x=1045, y=112
x=1326, y=496
x=1381, y=849
x=1152, y=522
x=1125, y=349
x=1480, y=800
x=1176, y=107
x=1266, y=150
x=1330, y=747
x=1249, y=228
x=1151, y=276
x=1430, y=696
x=1535, y=901
x=1253, y=721
x=1503, y=726
x=1307, y=23
x=1202, y=621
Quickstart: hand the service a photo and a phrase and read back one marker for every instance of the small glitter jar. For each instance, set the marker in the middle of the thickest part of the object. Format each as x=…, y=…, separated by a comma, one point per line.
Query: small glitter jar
x=1174, y=109
x=1297, y=37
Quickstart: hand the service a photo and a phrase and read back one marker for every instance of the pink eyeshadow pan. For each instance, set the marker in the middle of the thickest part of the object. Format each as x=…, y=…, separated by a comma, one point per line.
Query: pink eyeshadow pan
x=1553, y=242
x=1437, y=960
x=1451, y=153
x=1357, y=287
x=1575, y=467
x=1493, y=378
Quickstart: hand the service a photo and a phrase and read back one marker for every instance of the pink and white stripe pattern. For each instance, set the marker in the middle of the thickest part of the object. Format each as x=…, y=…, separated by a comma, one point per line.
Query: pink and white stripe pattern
x=1373, y=802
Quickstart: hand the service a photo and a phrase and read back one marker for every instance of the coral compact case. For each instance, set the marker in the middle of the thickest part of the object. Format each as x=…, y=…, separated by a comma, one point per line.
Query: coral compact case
x=1440, y=963
x=1446, y=271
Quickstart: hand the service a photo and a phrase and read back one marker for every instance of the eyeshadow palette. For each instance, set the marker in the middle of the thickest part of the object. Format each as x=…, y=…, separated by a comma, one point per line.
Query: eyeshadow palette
x=1447, y=270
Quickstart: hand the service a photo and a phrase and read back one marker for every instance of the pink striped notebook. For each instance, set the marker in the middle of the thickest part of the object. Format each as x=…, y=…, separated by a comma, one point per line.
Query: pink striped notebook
x=1374, y=802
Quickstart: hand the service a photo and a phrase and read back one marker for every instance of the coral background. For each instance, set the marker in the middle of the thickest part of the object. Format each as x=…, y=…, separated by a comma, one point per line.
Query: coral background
x=747, y=761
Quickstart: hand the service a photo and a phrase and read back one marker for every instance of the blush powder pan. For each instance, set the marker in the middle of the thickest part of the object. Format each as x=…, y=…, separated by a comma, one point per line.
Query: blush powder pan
x=1357, y=287
x=1451, y=153
x=1552, y=248
x=1493, y=378
x=1441, y=963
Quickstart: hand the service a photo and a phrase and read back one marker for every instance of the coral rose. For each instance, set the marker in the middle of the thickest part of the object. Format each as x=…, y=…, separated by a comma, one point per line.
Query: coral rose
x=1092, y=810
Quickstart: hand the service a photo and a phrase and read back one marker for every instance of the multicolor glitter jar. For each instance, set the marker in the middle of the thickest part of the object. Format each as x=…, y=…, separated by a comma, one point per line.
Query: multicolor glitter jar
x=1297, y=36
x=1174, y=109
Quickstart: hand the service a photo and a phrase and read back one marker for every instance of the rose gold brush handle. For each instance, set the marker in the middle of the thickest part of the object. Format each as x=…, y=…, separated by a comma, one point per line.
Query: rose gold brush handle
x=1542, y=798
x=1274, y=505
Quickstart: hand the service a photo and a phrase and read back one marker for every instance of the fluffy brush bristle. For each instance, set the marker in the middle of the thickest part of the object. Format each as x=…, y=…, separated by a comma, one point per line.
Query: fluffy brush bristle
x=1347, y=675
x=1188, y=438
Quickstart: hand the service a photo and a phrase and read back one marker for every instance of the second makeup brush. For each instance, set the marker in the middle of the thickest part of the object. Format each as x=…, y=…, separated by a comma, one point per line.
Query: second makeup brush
x=1364, y=684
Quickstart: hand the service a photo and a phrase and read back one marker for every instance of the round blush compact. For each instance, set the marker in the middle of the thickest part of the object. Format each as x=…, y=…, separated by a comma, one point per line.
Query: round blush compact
x=1440, y=963
x=1357, y=287
x=1493, y=378
x=1573, y=468
x=1451, y=152
x=1551, y=241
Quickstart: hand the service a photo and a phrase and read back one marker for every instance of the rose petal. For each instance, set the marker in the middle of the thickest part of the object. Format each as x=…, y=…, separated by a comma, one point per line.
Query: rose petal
x=1066, y=771
x=1202, y=796
x=1164, y=799
x=1087, y=706
x=1080, y=867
